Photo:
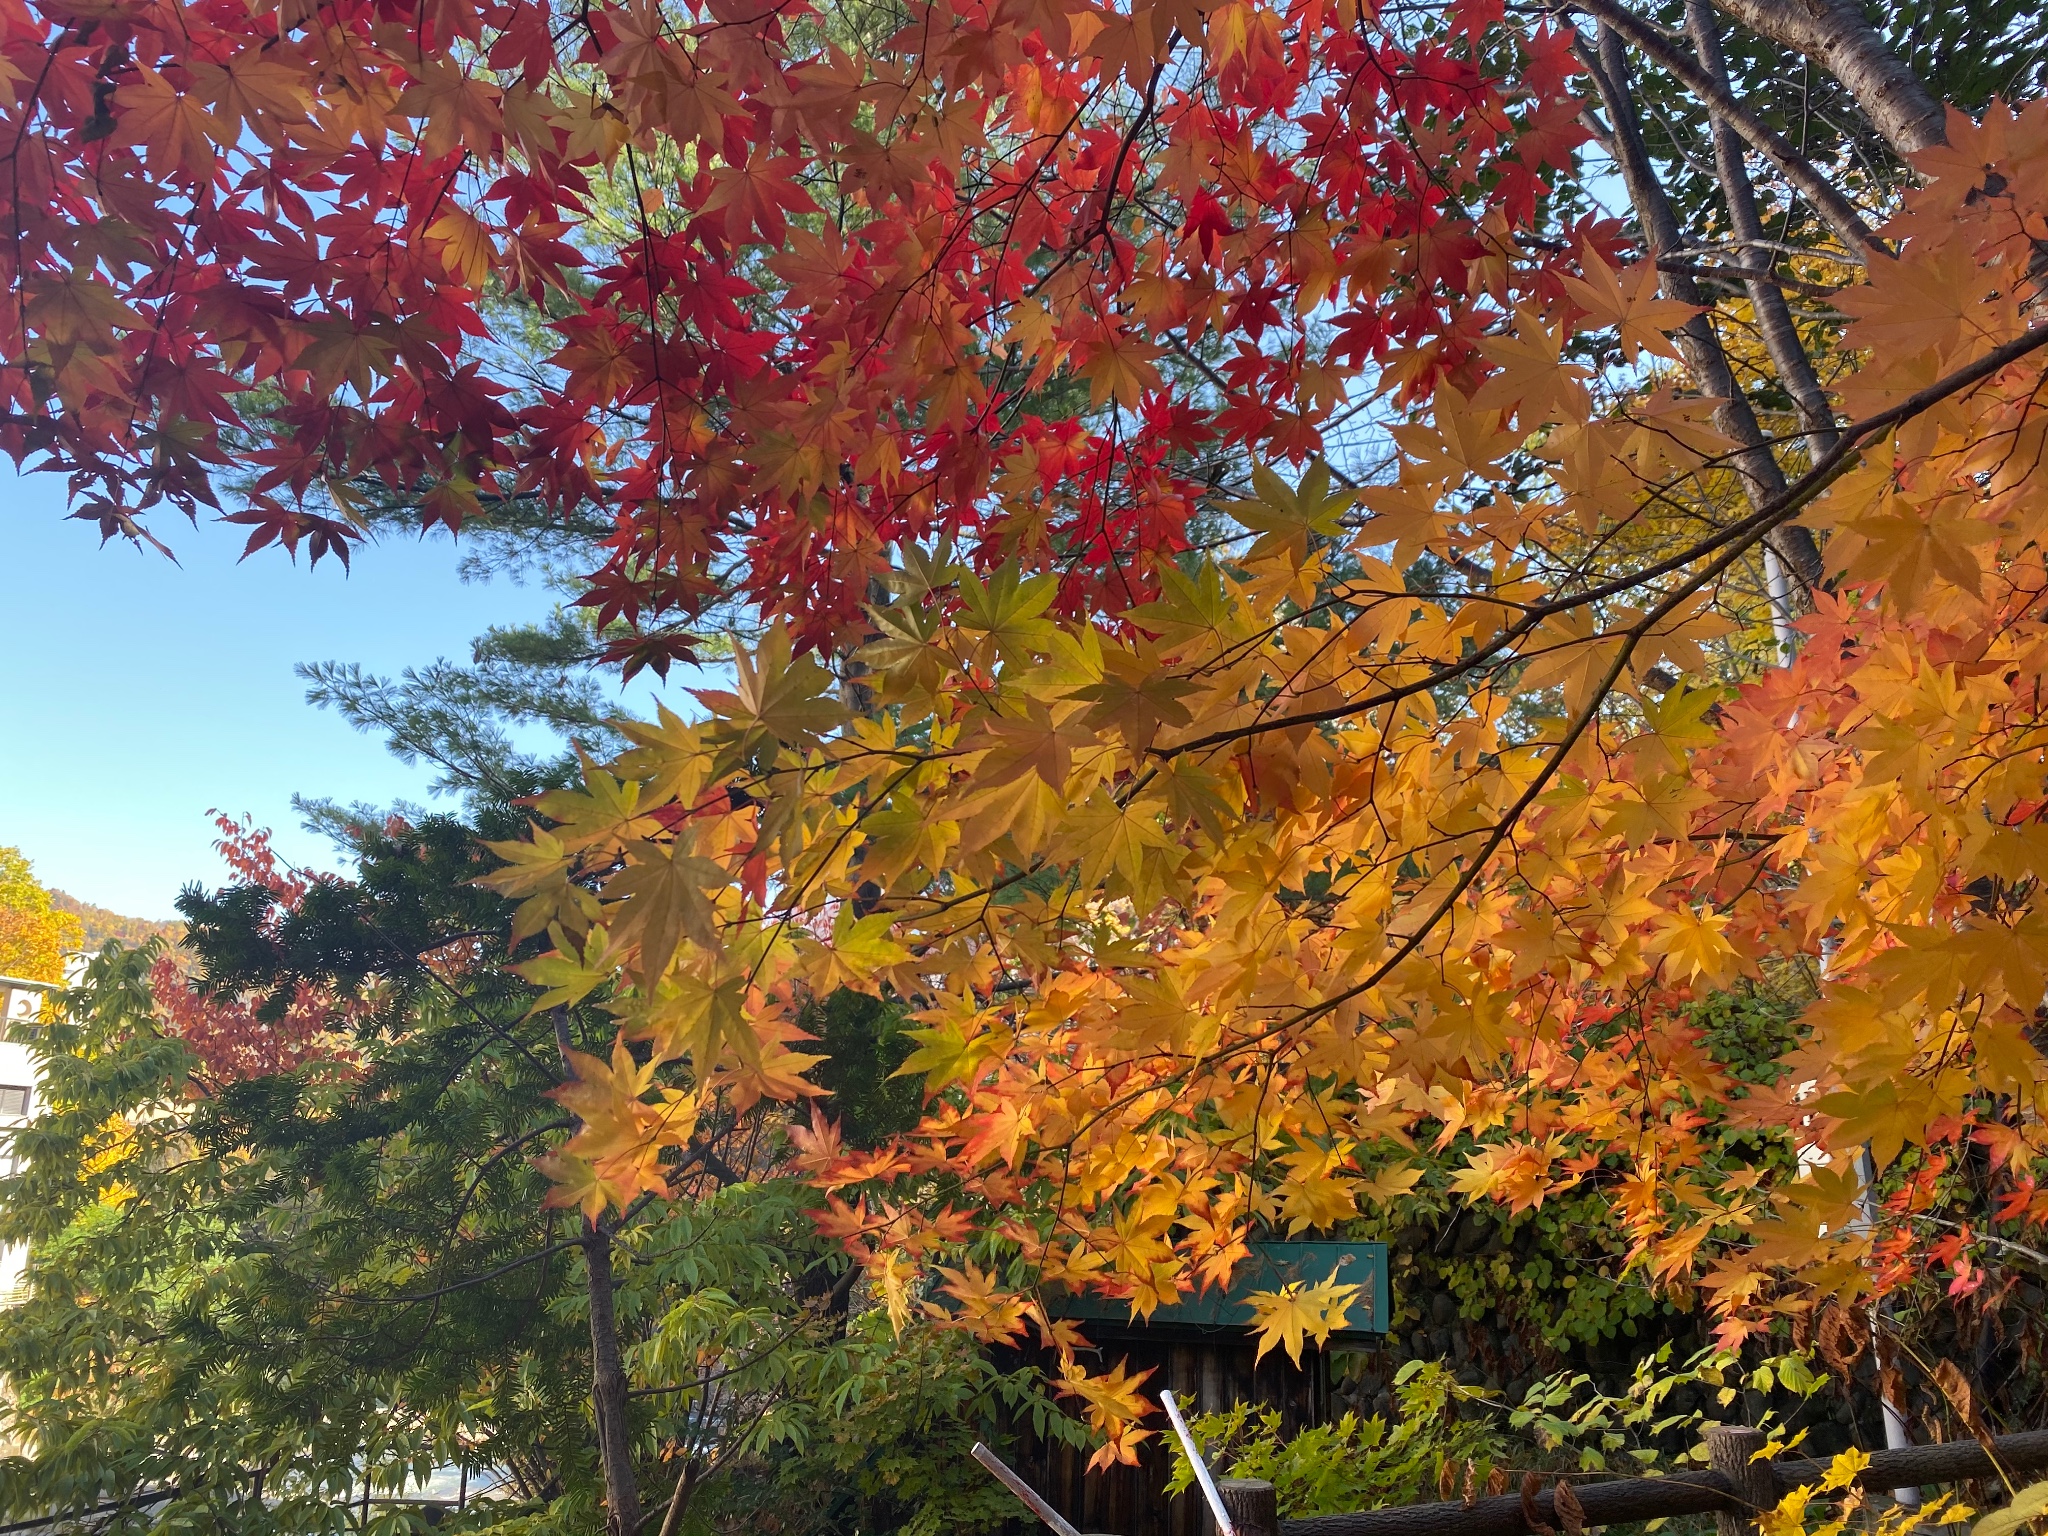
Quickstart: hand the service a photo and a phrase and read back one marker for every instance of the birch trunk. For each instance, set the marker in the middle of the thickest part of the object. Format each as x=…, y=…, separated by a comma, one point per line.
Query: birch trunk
x=1836, y=35
x=1761, y=478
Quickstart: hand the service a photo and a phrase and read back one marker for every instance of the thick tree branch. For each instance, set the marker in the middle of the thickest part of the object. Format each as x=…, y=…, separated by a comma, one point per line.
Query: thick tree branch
x=1839, y=37
x=1841, y=216
x=608, y=1391
x=1761, y=478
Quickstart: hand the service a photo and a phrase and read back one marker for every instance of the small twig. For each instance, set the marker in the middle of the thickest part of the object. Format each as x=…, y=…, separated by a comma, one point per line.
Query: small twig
x=1736, y=277
x=1993, y=1239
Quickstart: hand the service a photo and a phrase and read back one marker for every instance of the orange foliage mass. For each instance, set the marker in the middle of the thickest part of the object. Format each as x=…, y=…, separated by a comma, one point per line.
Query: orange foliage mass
x=1216, y=908
x=1222, y=880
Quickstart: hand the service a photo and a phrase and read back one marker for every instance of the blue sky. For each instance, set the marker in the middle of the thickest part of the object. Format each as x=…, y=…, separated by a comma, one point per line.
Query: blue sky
x=135, y=694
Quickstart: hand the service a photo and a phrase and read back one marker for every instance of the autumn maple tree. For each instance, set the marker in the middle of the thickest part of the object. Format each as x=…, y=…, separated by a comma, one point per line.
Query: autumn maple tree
x=1254, y=569
x=1214, y=910
x=35, y=934
x=237, y=1036
x=282, y=245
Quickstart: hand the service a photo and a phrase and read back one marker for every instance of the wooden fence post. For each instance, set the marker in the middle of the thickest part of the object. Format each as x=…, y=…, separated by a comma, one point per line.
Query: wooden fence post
x=1730, y=1452
x=1253, y=1505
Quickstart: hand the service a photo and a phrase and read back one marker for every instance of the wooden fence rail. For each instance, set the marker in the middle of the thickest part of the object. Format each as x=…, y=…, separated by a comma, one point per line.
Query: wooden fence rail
x=1735, y=1489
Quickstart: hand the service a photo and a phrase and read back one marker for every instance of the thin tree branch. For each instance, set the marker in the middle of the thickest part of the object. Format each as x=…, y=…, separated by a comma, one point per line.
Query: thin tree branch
x=1743, y=534
x=1758, y=471
x=1774, y=317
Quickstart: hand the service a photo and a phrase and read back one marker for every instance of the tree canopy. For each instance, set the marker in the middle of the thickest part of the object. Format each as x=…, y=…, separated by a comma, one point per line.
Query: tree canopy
x=264, y=1281
x=1295, y=639
x=35, y=933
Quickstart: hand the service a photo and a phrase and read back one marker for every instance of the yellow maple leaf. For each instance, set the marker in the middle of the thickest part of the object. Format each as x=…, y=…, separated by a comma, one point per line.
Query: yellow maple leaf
x=952, y=1048
x=1299, y=1311
x=1115, y=1397
x=992, y=1312
x=1627, y=300
x=174, y=129
x=465, y=246
x=860, y=951
x=1389, y=1184
x=1120, y=367
x=539, y=869
x=1695, y=944
x=661, y=896
x=777, y=696
x=571, y=972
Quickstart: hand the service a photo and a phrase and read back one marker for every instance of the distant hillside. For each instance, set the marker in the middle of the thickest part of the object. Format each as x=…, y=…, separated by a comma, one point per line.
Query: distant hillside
x=102, y=925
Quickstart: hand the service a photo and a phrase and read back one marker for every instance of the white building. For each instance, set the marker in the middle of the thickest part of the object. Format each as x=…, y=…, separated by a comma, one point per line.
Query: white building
x=20, y=1002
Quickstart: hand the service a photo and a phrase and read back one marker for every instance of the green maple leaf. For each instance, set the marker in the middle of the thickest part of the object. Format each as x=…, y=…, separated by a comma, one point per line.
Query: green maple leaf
x=570, y=974
x=779, y=696
x=1009, y=610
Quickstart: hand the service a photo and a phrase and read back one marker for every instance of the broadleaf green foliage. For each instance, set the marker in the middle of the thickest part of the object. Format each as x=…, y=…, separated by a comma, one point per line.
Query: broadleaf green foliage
x=1749, y=1031
x=1443, y=1434
x=848, y=1428
x=244, y=1291
x=252, y=1292
x=1574, y=1424
x=1352, y=1463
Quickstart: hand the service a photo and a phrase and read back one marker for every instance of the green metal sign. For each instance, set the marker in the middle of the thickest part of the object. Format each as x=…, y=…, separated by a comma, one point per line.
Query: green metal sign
x=1270, y=1266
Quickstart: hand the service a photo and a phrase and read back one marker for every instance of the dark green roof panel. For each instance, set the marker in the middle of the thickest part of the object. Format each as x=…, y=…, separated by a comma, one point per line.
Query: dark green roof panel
x=1271, y=1265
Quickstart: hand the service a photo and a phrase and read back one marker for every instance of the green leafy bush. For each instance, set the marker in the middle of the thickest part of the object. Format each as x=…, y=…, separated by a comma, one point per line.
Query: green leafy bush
x=1447, y=1436
x=1353, y=1463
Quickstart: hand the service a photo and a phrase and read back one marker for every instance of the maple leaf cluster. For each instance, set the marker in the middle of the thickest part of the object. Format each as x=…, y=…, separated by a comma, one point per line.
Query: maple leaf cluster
x=1241, y=837
x=1070, y=249
x=1219, y=912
